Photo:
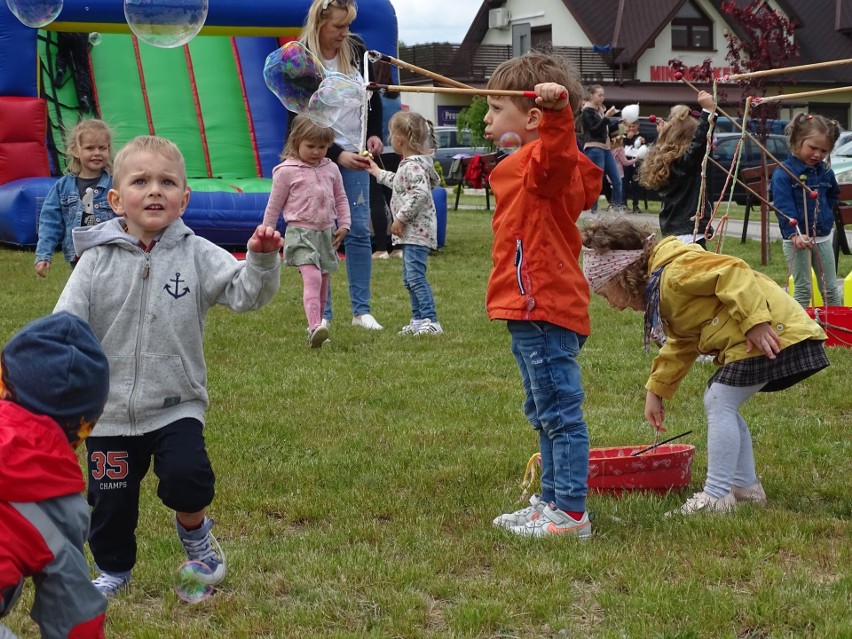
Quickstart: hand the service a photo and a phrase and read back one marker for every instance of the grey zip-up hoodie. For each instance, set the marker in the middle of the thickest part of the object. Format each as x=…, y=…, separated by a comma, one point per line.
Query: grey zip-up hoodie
x=148, y=309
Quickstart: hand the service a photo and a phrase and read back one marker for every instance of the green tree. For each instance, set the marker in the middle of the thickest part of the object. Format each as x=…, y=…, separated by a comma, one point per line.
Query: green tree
x=470, y=119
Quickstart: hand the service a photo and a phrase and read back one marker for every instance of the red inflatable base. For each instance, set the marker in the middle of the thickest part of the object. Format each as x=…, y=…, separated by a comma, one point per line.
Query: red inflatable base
x=665, y=468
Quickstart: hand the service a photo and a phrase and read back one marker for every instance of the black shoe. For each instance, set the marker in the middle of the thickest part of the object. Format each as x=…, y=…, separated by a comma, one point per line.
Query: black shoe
x=636, y=208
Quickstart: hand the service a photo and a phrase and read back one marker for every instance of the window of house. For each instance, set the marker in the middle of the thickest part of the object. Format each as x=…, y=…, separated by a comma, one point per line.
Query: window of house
x=692, y=29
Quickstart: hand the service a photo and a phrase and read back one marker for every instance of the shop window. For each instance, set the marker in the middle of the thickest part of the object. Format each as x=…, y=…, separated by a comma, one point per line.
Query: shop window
x=692, y=29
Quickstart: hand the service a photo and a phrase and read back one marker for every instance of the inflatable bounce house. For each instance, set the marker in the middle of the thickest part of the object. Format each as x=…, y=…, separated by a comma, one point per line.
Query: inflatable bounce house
x=208, y=96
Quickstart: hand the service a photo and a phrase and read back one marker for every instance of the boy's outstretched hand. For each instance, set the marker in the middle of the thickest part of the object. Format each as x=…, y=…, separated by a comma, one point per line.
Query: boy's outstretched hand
x=265, y=240
x=550, y=95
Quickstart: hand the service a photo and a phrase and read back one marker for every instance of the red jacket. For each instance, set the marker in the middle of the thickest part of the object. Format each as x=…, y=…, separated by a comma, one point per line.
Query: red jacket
x=36, y=463
x=36, y=460
x=540, y=191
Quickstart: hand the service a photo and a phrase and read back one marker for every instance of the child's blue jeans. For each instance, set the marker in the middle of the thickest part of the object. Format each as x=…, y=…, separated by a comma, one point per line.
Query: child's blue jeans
x=414, y=259
x=546, y=356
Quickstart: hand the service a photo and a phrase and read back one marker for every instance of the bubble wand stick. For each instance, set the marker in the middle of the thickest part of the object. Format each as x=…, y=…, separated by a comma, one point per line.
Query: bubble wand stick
x=455, y=90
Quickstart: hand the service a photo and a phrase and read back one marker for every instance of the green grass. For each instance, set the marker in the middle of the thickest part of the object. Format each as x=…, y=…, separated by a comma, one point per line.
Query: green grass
x=356, y=483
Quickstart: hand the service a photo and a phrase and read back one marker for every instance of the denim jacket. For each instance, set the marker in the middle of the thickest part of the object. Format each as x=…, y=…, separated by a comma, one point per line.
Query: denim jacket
x=787, y=195
x=62, y=211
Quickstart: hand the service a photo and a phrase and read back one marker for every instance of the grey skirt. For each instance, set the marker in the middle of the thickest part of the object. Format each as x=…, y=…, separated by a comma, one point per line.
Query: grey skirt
x=307, y=246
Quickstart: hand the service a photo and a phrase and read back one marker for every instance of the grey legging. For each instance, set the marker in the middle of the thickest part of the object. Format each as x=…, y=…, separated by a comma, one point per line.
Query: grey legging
x=730, y=459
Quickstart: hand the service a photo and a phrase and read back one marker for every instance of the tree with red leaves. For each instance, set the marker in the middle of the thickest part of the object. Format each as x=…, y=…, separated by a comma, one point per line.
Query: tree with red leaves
x=764, y=40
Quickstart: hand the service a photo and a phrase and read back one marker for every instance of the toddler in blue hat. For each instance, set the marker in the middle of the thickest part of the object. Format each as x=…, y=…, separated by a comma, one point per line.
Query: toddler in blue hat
x=54, y=382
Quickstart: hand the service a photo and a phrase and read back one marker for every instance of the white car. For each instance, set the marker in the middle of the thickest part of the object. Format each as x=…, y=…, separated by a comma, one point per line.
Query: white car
x=841, y=162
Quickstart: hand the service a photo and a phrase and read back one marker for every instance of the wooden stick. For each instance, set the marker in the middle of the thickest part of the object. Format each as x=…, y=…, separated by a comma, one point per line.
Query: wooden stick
x=748, y=188
x=458, y=91
x=804, y=94
x=415, y=69
x=753, y=139
x=765, y=72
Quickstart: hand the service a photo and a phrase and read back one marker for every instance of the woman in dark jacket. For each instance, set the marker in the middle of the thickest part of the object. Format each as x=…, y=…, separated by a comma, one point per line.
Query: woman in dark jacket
x=596, y=131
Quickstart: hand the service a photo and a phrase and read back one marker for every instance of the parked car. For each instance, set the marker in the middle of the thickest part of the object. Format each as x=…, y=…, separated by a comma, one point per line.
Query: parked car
x=841, y=162
x=724, y=147
x=451, y=143
x=773, y=126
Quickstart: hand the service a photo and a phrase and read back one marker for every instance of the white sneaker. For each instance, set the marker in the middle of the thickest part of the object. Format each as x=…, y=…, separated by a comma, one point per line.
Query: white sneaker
x=428, y=327
x=753, y=494
x=318, y=336
x=702, y=502
x=109, y=585
x=522, y=516
x=325, y=322
x=380, y=255
x=554, y=522
x=366, y=321
x=411, y=328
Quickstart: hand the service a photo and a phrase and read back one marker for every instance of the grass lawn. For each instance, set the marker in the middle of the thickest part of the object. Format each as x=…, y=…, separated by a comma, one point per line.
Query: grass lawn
x=356, y=483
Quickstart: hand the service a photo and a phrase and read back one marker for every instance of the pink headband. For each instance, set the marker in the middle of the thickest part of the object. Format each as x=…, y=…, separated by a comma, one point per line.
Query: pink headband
x=600, y=268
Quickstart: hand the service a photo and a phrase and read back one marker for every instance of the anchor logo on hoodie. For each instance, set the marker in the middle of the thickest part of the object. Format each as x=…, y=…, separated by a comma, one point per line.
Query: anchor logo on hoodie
x=177, y=293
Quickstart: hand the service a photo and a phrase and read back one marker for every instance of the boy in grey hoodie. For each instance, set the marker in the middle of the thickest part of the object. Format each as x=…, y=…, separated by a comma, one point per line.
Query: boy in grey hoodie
x=145, y=283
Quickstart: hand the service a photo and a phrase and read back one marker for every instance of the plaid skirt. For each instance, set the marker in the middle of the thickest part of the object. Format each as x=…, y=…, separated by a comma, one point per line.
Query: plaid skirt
x=790, y=366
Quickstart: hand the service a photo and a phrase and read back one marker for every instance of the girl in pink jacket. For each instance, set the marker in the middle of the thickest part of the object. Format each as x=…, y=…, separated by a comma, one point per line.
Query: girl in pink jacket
x=307, y=190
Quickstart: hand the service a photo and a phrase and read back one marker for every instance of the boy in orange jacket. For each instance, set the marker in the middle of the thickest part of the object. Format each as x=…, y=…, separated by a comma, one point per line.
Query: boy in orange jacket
x=536, y=282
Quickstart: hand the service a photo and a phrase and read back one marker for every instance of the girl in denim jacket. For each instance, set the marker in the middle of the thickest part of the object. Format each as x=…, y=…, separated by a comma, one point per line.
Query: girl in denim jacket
x=807, y=224
x=79, y=198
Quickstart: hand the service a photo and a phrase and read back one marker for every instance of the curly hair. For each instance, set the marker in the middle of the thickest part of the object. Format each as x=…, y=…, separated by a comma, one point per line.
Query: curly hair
x=672, y=143
x=620, y=234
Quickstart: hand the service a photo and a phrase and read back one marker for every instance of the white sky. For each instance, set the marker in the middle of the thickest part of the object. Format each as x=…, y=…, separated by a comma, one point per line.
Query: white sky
x=422, y=21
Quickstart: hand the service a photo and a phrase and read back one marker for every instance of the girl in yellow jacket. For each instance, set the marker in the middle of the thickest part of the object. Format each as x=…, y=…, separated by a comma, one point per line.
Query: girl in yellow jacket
x=760, y=338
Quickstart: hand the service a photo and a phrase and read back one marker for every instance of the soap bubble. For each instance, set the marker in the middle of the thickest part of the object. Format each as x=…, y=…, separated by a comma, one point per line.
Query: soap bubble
x=299, y=80
x=509, y=142
x=95, y=38
x=35, y=13
x=188, y=587
x=165, y=25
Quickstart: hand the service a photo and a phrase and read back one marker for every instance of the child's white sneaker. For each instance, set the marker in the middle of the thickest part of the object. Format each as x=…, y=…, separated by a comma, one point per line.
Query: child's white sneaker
x=702, y=502
x=753, y=494
x=428, y=327
x=318, y=336
x=553, y=522
x=110, y=584
x=522, y=516
x=411, y=328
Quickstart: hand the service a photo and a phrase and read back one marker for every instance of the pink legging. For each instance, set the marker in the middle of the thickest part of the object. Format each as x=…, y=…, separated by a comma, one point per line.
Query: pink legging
x=314, y=293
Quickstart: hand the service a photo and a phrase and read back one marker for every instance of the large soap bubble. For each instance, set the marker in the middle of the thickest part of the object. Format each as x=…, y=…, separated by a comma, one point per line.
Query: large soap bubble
x=165, y=23
x=305, y=87
x=35, y=13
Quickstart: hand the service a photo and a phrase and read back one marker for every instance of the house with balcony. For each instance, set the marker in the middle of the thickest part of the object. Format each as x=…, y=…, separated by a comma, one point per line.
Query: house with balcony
x=626, y=46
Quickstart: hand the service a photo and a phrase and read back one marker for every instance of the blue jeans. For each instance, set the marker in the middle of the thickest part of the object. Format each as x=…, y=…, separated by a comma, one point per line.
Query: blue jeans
x=414, y=259
x=604, y=159
x=546, y=356
x=359, y=253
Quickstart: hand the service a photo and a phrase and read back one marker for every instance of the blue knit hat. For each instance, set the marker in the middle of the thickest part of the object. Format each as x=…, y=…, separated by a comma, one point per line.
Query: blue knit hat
x=55, y=366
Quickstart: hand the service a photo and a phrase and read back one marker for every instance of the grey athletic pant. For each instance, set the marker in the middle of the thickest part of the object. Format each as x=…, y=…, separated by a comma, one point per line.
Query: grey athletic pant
x=730, y=459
